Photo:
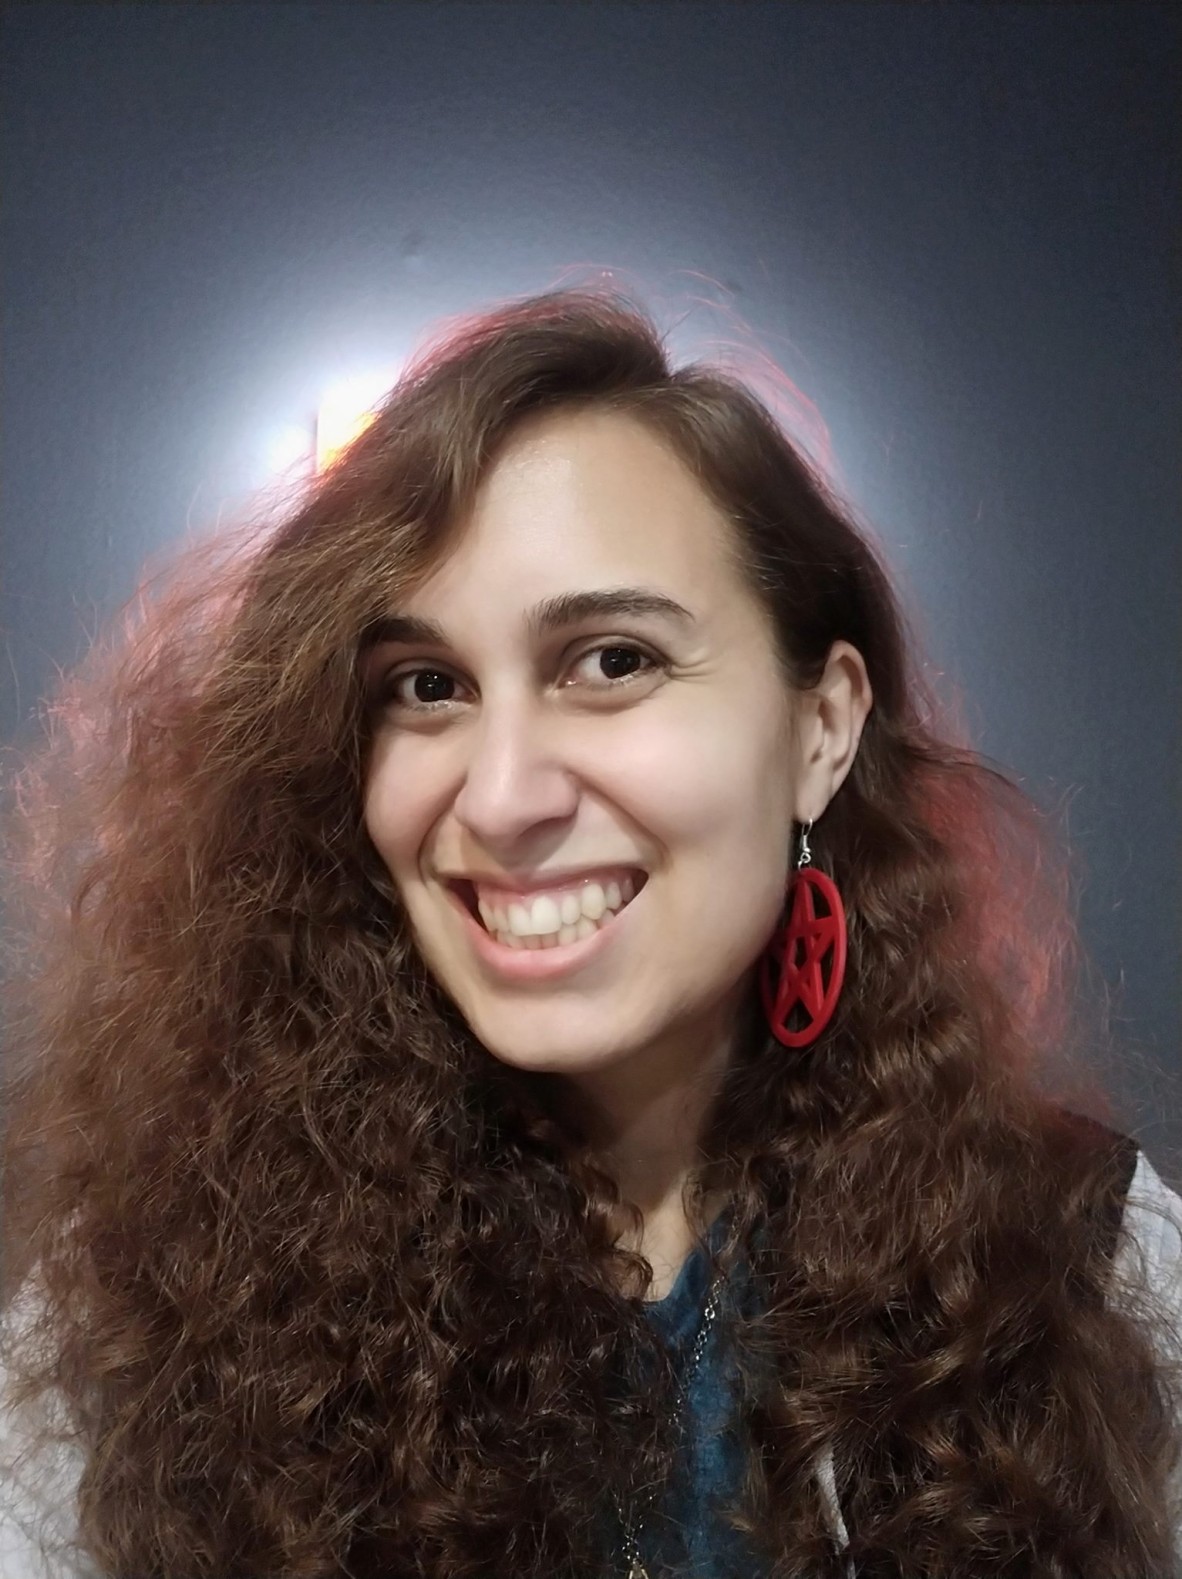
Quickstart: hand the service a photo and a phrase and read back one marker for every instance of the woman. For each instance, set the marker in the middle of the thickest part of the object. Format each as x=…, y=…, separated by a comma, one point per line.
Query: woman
x=542, y=1067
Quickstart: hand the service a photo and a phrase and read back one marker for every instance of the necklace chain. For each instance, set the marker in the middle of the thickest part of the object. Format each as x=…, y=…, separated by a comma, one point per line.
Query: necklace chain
x=633, y=1527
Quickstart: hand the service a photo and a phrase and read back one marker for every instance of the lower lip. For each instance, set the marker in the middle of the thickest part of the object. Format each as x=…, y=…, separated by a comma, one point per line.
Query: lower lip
x=537, y=964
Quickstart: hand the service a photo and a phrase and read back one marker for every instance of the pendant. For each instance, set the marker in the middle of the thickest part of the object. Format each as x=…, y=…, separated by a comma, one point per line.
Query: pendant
x=638, y=1570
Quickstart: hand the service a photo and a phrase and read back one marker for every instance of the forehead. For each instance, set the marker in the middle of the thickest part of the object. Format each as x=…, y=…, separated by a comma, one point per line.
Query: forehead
x=578, y=499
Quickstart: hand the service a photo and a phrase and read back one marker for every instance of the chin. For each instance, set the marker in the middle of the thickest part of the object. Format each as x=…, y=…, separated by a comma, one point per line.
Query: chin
x=547, y=1058
x=555, y=1049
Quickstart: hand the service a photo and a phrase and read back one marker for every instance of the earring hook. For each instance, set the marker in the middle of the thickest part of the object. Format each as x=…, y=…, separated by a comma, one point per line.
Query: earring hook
x=805, y=857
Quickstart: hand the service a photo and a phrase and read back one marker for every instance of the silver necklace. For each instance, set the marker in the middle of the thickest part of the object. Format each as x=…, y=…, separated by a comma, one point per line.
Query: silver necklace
x=634, y=1527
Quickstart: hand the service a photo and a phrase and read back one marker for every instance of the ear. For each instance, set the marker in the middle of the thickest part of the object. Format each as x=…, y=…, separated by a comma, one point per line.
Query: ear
x=829, y=720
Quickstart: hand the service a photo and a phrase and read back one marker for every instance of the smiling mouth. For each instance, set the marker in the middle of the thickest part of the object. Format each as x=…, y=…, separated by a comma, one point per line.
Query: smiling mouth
x=518, y=925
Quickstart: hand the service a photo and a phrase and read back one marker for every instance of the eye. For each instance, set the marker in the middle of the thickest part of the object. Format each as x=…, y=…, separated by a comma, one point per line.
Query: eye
x=428, y=689
x=614, y=657
x=427, y=693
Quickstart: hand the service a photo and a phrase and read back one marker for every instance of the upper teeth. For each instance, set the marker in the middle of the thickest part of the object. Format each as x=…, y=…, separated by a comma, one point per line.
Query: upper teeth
x=548, y=913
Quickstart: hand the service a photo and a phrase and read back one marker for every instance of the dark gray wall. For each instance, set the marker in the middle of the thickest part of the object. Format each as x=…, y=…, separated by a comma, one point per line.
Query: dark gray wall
x=952, y=225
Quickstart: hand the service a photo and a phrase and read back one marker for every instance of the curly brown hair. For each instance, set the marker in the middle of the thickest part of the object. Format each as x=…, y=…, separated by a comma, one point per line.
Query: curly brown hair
x=328, y=1291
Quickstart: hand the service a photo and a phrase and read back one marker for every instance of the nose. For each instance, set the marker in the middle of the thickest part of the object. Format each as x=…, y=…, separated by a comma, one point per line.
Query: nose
x=514, y=777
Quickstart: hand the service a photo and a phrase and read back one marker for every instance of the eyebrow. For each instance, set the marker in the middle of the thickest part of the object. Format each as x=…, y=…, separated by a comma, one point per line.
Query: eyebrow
x=552, y=614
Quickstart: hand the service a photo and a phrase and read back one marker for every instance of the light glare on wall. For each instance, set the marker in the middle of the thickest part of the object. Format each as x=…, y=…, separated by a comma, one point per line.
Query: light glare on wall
x=289, y=450
x=346, y=410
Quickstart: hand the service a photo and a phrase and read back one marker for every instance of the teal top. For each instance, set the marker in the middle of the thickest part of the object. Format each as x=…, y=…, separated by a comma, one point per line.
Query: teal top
x=683, y=1535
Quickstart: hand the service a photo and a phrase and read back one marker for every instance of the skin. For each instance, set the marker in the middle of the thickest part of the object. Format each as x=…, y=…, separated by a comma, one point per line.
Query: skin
x=536, y=757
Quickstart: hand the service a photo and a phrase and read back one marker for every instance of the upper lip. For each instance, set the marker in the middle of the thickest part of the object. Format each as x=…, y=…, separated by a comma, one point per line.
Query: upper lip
x=538, y=882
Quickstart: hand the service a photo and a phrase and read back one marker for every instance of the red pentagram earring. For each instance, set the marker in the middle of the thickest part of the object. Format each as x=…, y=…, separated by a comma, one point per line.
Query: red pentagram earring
x=790, y=972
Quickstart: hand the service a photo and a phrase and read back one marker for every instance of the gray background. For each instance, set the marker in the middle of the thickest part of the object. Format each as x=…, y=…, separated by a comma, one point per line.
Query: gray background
x=953, y=226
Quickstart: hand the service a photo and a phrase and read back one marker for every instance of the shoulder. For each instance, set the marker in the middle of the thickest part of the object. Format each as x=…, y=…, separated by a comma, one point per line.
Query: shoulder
x=1138, y=1216
x=1150, y=1246
x=38, y=1483
x=38, y=1507
x=1156, y=1212
x=1149, y=1263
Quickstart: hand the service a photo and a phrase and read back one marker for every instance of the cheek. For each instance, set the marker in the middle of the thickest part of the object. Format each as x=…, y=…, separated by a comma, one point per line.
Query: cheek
x=389, y=815
x=713, y=779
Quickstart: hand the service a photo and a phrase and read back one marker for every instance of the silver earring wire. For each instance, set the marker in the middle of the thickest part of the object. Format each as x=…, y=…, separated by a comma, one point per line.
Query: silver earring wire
x=805, y=858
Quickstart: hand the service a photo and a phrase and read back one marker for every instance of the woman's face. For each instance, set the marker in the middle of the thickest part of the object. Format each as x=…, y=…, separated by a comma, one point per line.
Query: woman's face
x=559, y=756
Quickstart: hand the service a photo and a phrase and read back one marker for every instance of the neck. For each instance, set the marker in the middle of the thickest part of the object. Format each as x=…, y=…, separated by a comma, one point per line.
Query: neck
x=644, y=1115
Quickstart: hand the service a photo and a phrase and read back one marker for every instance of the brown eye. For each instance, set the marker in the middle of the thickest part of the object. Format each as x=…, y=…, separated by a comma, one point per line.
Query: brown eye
x=620, y=662
x=427, y=691
x=429, y=685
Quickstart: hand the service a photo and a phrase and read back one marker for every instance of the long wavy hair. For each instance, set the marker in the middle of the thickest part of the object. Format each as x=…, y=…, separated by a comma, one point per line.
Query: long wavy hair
x=323, y=1289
